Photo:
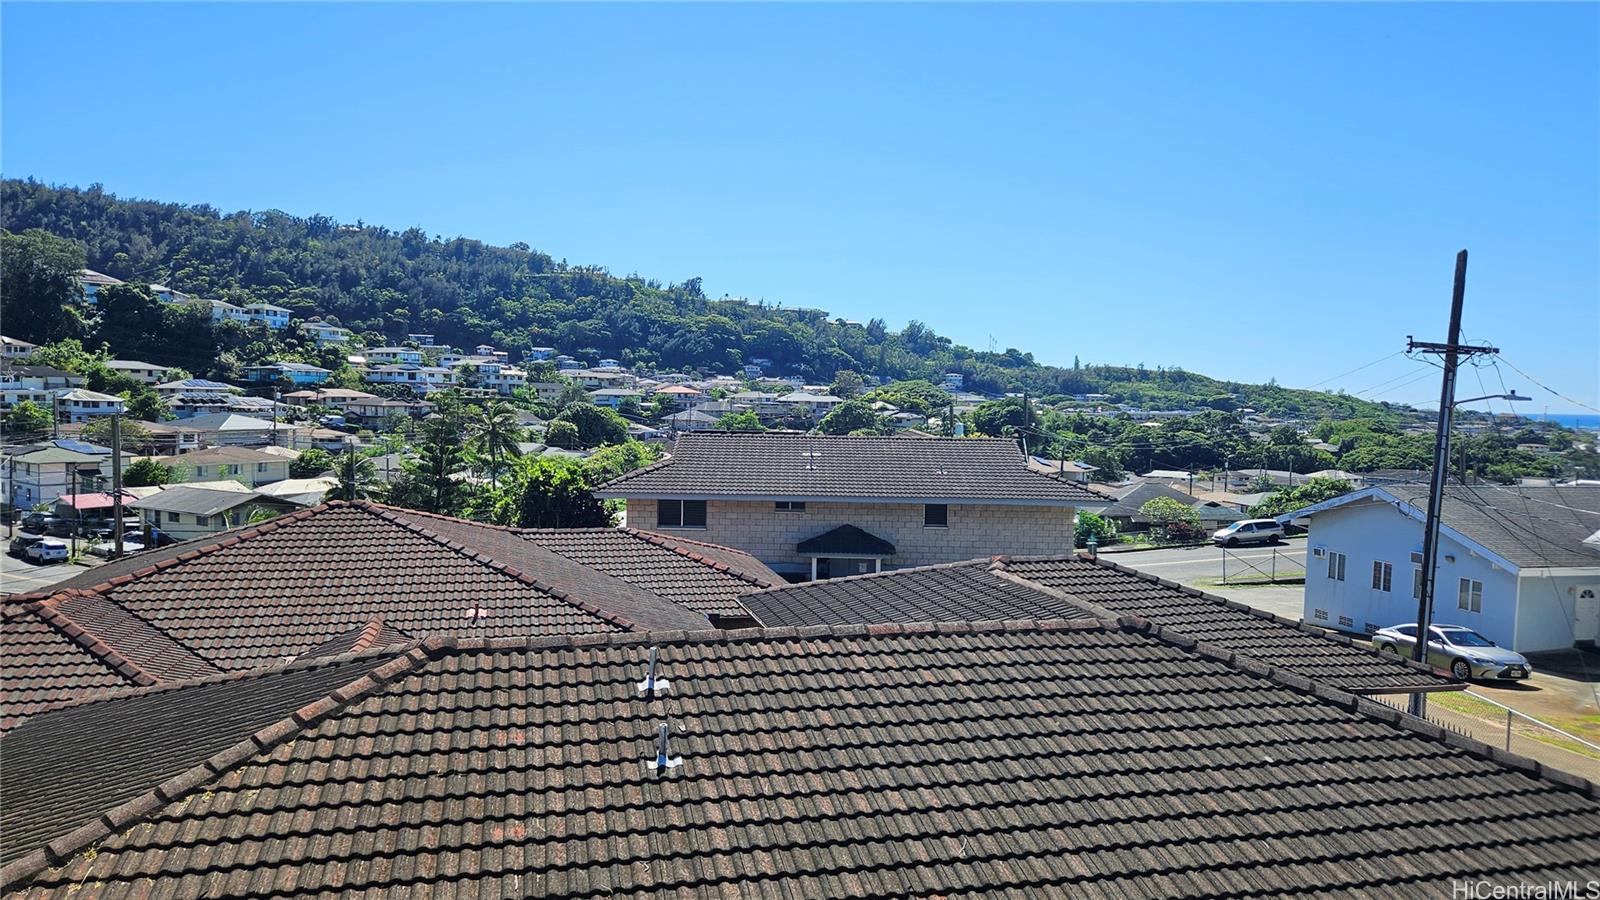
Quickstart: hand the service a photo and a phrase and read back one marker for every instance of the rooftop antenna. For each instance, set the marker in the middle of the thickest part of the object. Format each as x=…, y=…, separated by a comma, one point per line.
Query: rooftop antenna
x=663, y=761
x=651, y=683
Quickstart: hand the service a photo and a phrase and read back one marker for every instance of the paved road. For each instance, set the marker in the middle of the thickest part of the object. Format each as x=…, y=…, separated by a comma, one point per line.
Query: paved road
x=18, y=577
x=1201, y=567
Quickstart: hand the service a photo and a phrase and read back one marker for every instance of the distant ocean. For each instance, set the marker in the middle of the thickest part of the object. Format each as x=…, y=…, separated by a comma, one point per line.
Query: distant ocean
x=1586, y=421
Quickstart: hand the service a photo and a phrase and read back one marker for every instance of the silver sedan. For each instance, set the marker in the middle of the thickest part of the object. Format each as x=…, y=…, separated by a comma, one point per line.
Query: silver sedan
x=1464, y=652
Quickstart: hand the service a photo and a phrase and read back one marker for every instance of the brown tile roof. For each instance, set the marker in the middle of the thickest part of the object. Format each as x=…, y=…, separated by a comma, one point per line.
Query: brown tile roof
x=76, y=644
x=256, y=595
x=807, y=466
x=1022, y=758
x=703, y=577
x=375, y=634
x=964, y=591
x=67, y=767
x=285, y=586
x=1077, y=587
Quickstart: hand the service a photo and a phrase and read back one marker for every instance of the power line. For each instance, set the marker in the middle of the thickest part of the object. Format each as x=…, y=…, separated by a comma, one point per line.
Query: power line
x=1546, y=387
x=1355, y=370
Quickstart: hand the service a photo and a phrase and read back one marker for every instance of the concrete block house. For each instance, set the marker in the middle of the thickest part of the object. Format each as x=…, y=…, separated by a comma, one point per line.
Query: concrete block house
x=815, y=506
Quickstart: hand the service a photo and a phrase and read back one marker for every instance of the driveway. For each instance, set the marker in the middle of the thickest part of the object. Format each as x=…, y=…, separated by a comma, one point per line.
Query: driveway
x=19, y=577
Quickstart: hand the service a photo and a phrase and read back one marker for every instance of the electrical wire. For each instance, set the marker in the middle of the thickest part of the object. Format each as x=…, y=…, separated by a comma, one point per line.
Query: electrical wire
x=1546, y=387
x=1355, y=370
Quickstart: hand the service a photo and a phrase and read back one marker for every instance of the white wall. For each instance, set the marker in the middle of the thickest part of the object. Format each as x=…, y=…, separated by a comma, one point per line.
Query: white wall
x=1545, y=610
x=1370, y=531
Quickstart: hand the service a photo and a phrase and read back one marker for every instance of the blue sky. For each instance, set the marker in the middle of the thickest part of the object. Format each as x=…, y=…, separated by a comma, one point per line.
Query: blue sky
x=1245, y=191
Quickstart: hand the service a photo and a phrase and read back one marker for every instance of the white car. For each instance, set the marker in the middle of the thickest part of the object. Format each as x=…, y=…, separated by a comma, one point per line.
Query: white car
x=46, y=551
x=106, y=548
x=1249, y=531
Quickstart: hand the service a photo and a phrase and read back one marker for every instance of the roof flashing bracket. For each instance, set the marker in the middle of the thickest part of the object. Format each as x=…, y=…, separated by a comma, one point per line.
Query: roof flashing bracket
x=652, y=683
x=664, y=761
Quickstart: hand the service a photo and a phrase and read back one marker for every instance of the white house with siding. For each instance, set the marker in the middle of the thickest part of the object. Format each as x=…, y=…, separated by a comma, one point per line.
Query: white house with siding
x=1521, y=564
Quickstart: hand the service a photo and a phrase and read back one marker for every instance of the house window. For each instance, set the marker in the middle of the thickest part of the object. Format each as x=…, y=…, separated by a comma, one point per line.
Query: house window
x=202, y=520
x=173, y=518
x=1469, y=596
x=261, y=467
x=789, y=505
x=680, y=514
x=1336, y=565
x=1382, y=576
x=1346, y=622
x=1416, y=584
x=936, y=515
x=1321, y=615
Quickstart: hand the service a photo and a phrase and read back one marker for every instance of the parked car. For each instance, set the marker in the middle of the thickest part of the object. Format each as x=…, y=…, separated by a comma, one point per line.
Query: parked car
x=106, y=548
x=1464, y=652
x=21, y=543
x=34, y=522
x=1249, y=531
x=46, y=551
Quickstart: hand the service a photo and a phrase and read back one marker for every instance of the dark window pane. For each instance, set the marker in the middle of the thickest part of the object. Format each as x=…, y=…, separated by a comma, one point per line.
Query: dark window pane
x=935, y=515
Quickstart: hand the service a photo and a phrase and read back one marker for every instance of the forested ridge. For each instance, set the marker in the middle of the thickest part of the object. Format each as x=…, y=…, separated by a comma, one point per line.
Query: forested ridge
x=387, y=283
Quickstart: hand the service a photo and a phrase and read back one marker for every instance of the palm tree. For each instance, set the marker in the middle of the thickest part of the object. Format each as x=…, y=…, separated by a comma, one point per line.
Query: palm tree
x=493, y=429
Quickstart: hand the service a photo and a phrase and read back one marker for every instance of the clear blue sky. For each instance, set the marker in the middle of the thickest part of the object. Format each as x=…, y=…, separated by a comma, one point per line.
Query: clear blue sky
x=1245, y=191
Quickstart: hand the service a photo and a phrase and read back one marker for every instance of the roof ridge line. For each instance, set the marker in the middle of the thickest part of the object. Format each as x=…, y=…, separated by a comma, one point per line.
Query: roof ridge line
x=123, y=608
x=49, y=612
x=187, y=782
x=369, y=633
x=1372, y=709
x=206, y=549
x=1000, y=571
x=1301, y=626
x=396, y=516
x=664, y=543
x=930, y=567
x=660, y=463
x=105, y=695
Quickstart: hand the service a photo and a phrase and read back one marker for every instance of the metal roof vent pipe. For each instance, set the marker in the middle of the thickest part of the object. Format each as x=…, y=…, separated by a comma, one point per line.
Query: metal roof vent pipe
x=664, y=761
x=651, y=682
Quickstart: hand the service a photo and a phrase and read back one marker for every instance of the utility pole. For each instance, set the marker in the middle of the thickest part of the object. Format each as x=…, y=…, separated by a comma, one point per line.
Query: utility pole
x=116, y=485
x=1452, y=351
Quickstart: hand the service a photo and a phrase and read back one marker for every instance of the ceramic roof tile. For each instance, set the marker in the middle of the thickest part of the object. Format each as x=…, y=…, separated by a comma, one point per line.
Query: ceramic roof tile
x=807, y=466
x=1072, y=587
x=1089, y=758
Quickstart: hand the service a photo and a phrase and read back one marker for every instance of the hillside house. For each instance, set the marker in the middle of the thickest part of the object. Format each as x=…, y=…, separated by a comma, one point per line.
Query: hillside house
x=90, y=282
x=419, y=378
x=15, y=348
x=83, y=405
x=142, y=372
x=822, y=506
x=1521, y=565
x=248, y=466
x=400, y=355
x=293, y=372
x=31, y=474
x=325, y=334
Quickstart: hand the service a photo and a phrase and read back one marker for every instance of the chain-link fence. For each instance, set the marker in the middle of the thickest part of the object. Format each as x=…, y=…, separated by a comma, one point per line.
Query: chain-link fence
x=1498, y=725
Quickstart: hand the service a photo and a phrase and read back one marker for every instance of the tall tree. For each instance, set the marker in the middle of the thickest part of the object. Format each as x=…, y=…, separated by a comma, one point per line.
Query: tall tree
x=556, y=494
x=494, y=432
x=39, y=284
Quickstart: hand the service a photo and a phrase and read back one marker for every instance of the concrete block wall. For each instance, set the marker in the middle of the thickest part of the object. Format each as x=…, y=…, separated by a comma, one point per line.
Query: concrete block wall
x=973, y=531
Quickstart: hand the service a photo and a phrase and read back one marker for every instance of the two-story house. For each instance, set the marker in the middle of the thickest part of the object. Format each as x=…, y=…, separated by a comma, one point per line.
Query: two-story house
x=400, y=355
x=325, y=334
x=267, y=314
x=1521, y=565
x=823, y=506
x=31, y=474
x=83, y=405
x=421, y=378
x=248, y=466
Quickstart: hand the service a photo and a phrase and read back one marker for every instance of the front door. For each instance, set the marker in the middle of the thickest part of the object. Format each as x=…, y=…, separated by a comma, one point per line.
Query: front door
x=1586, y=614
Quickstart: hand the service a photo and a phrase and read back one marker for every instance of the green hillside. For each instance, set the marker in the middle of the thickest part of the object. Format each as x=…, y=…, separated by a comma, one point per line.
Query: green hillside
x=387, y=283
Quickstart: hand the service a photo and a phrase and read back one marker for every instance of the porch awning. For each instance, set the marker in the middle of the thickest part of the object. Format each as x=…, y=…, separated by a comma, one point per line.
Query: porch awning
x=846, y=540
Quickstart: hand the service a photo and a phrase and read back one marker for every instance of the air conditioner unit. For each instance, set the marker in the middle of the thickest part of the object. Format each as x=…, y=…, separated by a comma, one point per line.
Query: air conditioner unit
x=1319, y=552
x=1416, y=557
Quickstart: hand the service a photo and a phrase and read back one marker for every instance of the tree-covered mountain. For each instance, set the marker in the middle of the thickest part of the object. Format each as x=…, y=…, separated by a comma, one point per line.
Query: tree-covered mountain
x=386, y=284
